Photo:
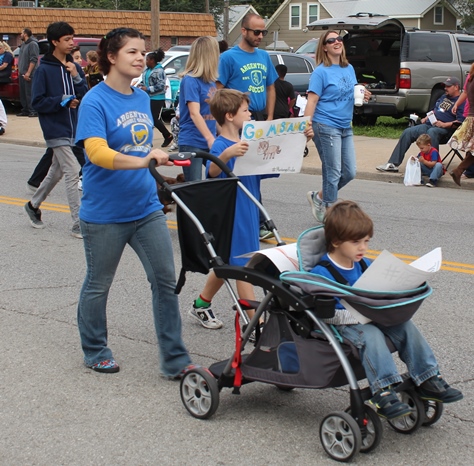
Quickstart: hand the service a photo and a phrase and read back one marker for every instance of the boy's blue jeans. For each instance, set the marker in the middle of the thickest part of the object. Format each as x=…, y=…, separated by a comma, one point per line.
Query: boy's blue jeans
x=377, y=360
x=434, y=173
x=194, y=171
x=104, y=244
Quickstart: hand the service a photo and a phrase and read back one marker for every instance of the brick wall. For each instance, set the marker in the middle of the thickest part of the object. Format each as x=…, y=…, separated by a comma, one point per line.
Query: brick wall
x=5, y=2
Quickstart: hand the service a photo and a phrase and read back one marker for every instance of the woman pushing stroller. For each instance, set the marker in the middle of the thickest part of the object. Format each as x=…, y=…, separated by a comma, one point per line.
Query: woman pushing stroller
x=348, y=231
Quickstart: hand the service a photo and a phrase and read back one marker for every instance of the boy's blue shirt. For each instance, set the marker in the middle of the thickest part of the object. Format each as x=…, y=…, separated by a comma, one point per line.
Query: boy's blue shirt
x=245, y=234
x=350, y=275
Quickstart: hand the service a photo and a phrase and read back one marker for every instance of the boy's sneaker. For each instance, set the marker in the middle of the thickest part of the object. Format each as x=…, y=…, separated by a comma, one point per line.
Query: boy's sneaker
x=437, y=389
x=2, y=130
x=388, y=404
x=79, y=184
x=76, y=231
x=317, y=207
x=109, y=366
x=31, y=187
x=205, y=316
x=35, y=216
x=387, y=167
x=265, y=234
x=431, y=184
x=173, y=147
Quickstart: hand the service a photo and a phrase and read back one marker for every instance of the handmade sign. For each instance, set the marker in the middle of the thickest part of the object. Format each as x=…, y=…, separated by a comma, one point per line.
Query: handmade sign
x=275, y=146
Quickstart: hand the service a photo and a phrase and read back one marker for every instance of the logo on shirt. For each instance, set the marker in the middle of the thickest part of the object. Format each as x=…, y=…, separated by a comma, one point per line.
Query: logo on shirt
x=139, y=133
x=256, y=77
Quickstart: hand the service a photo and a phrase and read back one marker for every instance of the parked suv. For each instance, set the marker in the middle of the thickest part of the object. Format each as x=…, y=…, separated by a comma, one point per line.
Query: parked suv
x=11, y=91
x=404, y=68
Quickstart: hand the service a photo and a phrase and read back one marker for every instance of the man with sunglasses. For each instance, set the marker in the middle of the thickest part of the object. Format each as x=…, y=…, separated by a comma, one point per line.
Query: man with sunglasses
x=443, y=125
x=248, y=69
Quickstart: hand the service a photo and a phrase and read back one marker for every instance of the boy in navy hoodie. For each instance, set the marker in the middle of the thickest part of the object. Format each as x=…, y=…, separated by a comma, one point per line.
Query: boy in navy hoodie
x=58, y=86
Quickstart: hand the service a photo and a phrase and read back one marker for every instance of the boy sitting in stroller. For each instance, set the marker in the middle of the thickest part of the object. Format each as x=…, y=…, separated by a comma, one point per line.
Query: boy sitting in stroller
x=348, y=231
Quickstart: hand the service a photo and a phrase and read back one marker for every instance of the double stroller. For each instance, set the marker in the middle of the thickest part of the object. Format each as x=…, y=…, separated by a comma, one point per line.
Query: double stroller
x=296, y=348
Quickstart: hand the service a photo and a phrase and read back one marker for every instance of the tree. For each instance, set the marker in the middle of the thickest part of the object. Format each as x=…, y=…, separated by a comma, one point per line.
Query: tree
x=466, y=10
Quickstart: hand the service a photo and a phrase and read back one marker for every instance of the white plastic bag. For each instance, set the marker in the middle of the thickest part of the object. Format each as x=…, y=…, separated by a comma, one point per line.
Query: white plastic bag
x=412, y=172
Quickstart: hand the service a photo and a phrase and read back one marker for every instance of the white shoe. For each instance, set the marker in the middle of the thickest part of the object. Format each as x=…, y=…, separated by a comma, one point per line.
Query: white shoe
x=317, y=207
x=173, y=147
x=388, y=167
x=206, y=317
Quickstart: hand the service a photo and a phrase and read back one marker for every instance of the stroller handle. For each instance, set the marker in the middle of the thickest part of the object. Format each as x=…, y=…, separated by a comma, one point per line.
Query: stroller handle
x=179, y=158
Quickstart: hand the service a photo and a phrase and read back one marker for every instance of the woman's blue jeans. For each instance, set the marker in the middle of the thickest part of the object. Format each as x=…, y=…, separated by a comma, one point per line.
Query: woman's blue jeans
x=336, y=151
x=104, y=244
x=377, y=360
x=194, y=171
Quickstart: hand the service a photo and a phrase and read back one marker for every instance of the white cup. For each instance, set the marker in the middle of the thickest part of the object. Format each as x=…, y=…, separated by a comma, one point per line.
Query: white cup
x=359, y=92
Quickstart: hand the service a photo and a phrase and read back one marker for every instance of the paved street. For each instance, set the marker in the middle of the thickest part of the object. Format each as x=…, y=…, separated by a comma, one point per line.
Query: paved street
x=55, y=411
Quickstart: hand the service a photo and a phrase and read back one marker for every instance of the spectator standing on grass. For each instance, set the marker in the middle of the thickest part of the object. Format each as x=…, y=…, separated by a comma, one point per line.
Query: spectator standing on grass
x=197, y=127
x=154, y=84
x=120, y=205
x=27, y=62
x=444, y=124
x=58, y=86
x=331, y=106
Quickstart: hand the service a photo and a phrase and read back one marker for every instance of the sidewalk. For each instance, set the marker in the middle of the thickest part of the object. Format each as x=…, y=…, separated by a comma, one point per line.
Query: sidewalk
x=370, y=152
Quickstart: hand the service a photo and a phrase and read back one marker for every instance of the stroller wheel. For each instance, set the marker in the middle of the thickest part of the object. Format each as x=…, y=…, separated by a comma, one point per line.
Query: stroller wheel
x=433, y=411
x=374, y=430
x=340, y=436
x=408, y=424
x=199, y=393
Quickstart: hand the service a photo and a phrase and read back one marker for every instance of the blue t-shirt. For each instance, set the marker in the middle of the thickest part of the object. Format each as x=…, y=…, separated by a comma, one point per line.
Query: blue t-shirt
x=125, y=122
x=335, y=87
x=246, y=219
x=250, y=72
x=350, y=275
x=195, y=90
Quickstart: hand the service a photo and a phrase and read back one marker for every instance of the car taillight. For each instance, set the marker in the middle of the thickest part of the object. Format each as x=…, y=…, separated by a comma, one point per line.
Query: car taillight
x=404, y=78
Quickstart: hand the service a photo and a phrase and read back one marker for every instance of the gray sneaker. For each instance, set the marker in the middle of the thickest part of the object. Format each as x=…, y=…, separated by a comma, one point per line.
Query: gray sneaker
x=317, y=207
x=35, y=216
x=387, y=167
x=76, y=231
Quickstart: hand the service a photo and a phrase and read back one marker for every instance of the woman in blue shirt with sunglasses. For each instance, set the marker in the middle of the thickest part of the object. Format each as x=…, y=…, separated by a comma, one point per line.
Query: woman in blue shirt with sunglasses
x=331, y=105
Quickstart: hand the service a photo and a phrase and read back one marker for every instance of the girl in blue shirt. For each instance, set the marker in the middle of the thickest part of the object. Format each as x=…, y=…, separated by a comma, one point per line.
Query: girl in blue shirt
x=120, y=205
x=331, y=105
x=197, y=126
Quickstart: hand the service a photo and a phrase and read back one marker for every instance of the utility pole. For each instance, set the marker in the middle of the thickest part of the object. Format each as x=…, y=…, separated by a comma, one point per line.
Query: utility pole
x=207, y=6
x=226, y=20
x=155, y=24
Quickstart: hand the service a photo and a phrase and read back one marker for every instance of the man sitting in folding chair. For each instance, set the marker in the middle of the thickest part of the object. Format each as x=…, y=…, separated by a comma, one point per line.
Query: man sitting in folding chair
x=440, y=124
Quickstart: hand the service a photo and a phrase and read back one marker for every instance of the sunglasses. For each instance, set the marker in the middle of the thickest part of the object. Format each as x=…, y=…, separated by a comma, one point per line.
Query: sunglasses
x=257, y=32
x=332, y=40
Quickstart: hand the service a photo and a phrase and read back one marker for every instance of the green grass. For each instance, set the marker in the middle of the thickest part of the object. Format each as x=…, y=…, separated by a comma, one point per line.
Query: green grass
x=386, y=127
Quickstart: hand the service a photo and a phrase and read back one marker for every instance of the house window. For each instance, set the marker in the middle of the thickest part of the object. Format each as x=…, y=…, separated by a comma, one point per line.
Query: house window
x=174, y=41
x=439, y=15
x=295, y=16
x=313, y=12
